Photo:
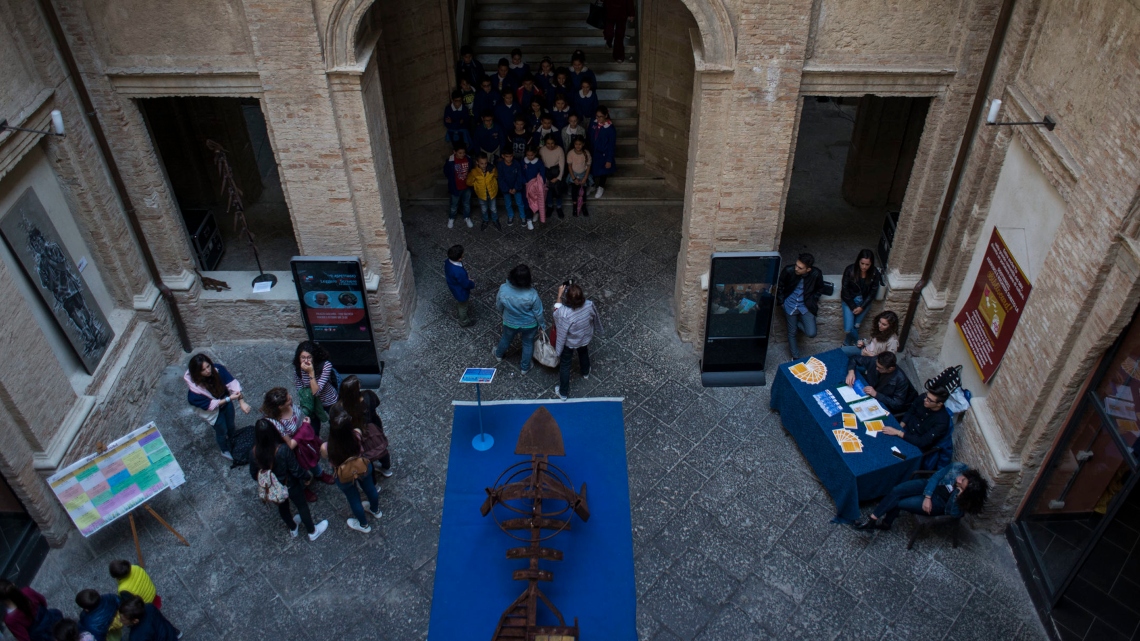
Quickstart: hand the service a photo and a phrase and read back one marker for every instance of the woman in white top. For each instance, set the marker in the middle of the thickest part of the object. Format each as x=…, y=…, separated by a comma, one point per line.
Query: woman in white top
x=575, y=324
x=554, y=159
x=884, y=337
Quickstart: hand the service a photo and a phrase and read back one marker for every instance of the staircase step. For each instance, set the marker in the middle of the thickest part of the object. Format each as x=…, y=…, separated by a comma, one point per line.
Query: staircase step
x=609, y=94
x=560, y=54
x=555, y=13
x=531, y=27
x=532, y=41
x=568, y=3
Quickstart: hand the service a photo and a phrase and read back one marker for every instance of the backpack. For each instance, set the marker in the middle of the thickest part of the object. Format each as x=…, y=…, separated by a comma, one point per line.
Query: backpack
x=46, y=618
x=353, y=467
x=269, y=489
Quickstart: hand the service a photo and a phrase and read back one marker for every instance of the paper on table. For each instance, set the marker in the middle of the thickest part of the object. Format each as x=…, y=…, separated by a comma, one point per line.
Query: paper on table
x=849, y=394
x=868, y=410
x=262, y=287
x=849, y=421
x=873, y=428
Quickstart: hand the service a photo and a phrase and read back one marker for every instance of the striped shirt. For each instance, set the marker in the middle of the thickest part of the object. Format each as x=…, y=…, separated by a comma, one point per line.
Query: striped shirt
x=288, y=426
x=575, y=327
x=325, y=384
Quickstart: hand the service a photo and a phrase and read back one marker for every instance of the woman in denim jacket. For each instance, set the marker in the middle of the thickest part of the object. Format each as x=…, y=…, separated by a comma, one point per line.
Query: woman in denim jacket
x=954, y=490
x=522, y=315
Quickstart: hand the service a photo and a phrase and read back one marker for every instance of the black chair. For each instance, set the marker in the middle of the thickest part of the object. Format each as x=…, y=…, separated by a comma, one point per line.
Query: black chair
x=923, y=522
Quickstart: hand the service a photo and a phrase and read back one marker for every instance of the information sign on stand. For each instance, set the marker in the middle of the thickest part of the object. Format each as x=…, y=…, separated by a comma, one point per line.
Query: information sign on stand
x=741, y=300
x=334, y=306
x=479, y=375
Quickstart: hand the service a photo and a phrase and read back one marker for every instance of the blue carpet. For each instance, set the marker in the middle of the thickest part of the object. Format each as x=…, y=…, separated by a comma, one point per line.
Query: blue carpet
x=594, y=581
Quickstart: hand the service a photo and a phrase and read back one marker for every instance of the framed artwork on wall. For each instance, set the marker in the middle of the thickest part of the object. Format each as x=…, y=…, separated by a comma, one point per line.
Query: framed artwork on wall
x=34, y=241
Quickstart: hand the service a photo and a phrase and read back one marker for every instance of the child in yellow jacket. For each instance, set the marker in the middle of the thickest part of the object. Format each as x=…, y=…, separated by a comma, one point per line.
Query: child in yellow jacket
x=484, y=179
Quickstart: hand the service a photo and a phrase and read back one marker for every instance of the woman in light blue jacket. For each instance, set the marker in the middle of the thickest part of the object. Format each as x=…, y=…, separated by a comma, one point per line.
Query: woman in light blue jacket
x=521, y=308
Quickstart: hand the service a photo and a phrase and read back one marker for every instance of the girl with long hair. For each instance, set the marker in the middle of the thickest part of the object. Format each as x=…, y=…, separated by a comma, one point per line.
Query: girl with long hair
x=884, y=337
x=26, y=614
x=859, y=287
x=363, y=407
x=346, y=442
x=212, y=393
x=313, y=375
x=281, y=409
x=271, y=454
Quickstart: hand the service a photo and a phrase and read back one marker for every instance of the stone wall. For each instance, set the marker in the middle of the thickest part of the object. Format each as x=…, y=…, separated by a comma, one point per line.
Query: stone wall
x=666, y=71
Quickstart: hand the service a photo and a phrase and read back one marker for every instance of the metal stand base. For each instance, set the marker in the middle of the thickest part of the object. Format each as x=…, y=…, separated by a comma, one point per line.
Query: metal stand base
x=266, y=278
x=482, y=442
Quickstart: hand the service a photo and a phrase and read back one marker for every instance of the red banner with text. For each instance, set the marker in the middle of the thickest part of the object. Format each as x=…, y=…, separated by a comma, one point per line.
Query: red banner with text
x=993, y=307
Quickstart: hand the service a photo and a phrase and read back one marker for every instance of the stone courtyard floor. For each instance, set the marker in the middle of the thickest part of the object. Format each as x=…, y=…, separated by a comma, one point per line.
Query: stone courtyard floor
x=732, y=533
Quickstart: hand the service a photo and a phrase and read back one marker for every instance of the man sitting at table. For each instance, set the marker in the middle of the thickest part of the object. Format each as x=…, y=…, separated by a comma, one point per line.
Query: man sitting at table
x=953, y=490
x=926, y=422
x=885, y=381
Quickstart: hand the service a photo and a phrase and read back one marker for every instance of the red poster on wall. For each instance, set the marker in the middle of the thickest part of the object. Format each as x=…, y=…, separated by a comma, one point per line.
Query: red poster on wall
x=993, y=307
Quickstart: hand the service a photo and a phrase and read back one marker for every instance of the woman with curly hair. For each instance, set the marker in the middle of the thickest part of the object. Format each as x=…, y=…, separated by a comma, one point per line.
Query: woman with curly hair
x=884, y=337
x=212, y=393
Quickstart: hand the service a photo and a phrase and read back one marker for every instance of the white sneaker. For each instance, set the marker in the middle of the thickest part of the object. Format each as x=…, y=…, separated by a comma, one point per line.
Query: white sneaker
x=296, y=528
x=585, y=377
x=469, y=223
x=523, y=372
x=599, y=192
x=227, y=456
x=558, y=392
x=496, y=355
x=319, y=530
x=386, y=473
x=530, y=225
x=450, y=223
x=377, y=513
x=355, y=525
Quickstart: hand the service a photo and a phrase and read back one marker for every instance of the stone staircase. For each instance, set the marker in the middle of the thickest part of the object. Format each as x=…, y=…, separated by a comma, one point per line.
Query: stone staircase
x=556, y=28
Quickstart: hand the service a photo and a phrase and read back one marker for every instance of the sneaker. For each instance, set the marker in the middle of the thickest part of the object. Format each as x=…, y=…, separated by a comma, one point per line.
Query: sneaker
x=510, y=222
x=310, y=496
x=319, y=530
x=585, y=377
x=227, y=456
x=495, y=353
x=469, y=223
x=599, y=192
x=559, y=212
x=450, y=223
x=523, y=372
x=530, y=225
x=483, y=225
x=353, y=524
x=377, y=513
x=297, y=527
x=386, y=473
x=497, y=225
x=558, y=392
x=585, y=213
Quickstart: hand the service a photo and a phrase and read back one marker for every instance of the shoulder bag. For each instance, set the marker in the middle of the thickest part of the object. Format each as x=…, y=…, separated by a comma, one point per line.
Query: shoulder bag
x=543, y=350
x=597, y=17
x=353, y=467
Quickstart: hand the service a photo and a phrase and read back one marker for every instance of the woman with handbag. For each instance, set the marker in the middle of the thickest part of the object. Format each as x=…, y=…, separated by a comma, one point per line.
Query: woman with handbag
x=522, y=312
x=575, y=324
x=345, y=450
x=296, y=432
x=273, y=466
x=362, y=407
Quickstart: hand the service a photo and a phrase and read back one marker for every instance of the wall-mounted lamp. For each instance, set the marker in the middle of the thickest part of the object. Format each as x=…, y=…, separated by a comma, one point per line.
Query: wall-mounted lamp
x=56, y=125
x=995, y=106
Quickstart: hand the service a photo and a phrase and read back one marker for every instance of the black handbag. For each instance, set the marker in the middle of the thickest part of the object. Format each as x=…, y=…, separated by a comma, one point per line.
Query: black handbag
x=827, y=287
x=552, y=173
x=597, y=17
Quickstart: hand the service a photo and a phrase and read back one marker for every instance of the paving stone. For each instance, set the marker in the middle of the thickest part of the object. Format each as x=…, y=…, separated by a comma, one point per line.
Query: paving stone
x=676, y=607
x=786, y=572
x=649, y=563
x=917, y=620
x=768, y=606
x=732, y=623
x=979, y=620
x=877, y=586
x=681, y=483
x=666, y=446
x=807, y=534
x=735, y=558
x=703, y=577
x=644, y=474
x=668, y=402
x=936, y=586
x=685, y=526
x=822, y=613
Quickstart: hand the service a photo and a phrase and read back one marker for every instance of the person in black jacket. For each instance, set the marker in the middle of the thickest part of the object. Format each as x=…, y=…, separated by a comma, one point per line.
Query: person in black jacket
x=145, y=621
x=885, y=381
x=926, y=422
x=270, y=453
x=798, y=293
x=858, y=289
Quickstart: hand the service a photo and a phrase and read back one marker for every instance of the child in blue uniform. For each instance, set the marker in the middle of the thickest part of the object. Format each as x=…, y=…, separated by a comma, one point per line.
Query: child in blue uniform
x=604, y=140
x=456, y=120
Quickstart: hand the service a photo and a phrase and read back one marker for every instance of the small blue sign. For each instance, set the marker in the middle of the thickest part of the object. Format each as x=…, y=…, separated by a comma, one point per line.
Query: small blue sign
x=477, y=375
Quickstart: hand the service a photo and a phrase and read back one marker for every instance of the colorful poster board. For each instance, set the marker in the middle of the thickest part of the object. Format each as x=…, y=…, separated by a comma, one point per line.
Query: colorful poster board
x=993, y=308
x=100, y=488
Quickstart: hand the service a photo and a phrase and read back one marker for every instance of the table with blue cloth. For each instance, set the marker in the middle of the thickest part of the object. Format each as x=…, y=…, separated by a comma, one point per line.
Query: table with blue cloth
x=849, y=478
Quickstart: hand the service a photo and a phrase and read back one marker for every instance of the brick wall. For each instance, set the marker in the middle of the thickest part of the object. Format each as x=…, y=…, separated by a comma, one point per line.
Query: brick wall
x=666, y=87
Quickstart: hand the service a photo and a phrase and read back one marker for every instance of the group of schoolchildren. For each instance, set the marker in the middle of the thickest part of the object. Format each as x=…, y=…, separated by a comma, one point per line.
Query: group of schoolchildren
x=533, y=138
x=132, y=610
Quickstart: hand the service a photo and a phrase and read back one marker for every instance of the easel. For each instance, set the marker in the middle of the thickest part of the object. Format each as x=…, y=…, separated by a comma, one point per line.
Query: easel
x=101, y=448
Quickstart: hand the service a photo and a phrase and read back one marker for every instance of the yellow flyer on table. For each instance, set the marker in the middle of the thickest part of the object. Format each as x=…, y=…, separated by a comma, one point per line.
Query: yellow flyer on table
x=874, y=426
x=849, y=421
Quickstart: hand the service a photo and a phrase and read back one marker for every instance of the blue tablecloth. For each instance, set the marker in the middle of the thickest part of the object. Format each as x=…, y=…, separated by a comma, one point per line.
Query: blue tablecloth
x=849, y=478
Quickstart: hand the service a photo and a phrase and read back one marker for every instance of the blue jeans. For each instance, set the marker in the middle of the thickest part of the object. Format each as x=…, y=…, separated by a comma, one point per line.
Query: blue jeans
x=463, y=199
x=906, y=496
x=851, y=321
x=352, y=493
x=455, y=135
x=798, y=321
x=527, y=336
x=224, y=426
x=517, y=197
x=484, y=205
x=564, y=366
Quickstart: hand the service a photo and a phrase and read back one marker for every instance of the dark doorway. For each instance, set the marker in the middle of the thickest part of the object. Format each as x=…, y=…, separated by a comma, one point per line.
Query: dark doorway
x=852, y=163
x=22, y=547
x=180, y=128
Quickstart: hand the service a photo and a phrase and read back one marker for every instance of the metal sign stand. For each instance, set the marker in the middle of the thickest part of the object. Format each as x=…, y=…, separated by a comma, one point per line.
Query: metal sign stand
x=479, y=375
